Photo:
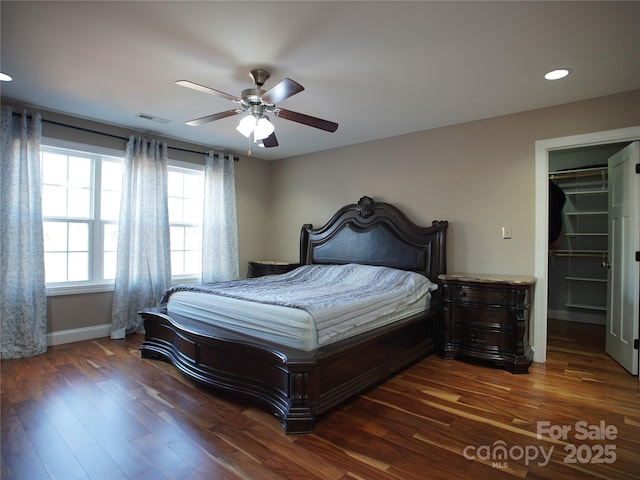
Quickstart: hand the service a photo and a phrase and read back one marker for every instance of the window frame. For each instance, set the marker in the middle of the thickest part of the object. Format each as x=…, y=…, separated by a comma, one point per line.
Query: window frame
x=96, y=235
x=180, y=165
x=95, y=225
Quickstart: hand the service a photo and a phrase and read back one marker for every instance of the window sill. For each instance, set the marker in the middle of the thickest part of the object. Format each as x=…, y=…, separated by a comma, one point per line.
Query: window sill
x=79, y=289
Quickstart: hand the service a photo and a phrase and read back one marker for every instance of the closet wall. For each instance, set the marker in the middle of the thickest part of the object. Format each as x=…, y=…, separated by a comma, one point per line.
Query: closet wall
x=577, y=269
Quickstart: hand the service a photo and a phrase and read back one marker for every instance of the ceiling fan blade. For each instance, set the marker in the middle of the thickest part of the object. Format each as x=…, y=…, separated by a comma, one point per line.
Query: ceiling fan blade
x=210, y=91
x=270, y=141
x=285, y=89
x=211, y=118
x=307, y=120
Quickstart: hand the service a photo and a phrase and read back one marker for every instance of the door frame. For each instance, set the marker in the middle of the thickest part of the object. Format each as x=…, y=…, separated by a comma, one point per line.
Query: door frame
x=538, y=336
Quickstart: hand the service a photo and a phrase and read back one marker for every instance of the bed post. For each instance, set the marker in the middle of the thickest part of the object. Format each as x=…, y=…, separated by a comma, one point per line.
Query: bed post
x=299, y=418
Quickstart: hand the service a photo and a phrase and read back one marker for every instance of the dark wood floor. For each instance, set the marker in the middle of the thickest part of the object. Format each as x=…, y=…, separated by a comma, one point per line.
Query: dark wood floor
x=97, y=410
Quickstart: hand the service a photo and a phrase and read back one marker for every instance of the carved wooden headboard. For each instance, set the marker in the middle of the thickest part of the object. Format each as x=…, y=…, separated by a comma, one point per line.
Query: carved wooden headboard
x=376, y=233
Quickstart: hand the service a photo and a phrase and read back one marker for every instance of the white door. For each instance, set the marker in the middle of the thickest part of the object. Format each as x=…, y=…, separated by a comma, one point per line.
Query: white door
x=623, y=314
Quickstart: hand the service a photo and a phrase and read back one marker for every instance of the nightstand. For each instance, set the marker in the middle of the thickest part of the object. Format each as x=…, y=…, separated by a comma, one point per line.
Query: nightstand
x=259, y=268
x=486, y=318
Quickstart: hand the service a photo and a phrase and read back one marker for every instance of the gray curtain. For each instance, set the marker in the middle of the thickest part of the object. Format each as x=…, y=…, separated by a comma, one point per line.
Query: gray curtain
x=23, y=300
x=220, y=226
x=143, y=268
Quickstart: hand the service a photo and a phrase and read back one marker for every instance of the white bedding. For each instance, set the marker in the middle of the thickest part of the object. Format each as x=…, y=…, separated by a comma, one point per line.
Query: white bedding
x=311, y=306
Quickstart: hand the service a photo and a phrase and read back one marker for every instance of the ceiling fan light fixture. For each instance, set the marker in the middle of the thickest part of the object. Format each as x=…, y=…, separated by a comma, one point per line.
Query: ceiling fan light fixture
x=263, y=129
x=246, y=125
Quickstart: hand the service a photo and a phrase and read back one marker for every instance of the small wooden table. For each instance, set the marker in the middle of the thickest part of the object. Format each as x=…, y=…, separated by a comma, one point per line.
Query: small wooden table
x=486, y=319
x=259, y=268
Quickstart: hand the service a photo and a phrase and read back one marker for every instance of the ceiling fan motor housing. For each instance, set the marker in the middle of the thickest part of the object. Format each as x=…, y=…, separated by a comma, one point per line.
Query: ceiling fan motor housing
x=252, y=101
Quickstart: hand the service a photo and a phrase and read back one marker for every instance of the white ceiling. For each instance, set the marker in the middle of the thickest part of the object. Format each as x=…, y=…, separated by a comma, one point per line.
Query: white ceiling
x=379, y=69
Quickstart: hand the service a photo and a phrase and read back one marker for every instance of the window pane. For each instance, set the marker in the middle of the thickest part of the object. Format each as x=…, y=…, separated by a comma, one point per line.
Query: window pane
x=79, y=203
x=54, y=168
x=79, y=237
x=193, y=210
x=177, y=238
x=192, y=262
x=110, y=205
x=176, y=184
x=193, y=238
x=55, y=236
x=177, y=263
x=110, y=237
x=54, y=201
x=111, y=186
x=111, y=175
x=78, y=267
x=175, y=210
x=194, y=185
x=79, y=172
x=110, y=259
x=55, y=267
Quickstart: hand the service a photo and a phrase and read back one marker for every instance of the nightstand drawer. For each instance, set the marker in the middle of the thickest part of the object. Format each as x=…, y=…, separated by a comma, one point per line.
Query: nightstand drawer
x=484, y=296
x=484, y=339
x=482, y=316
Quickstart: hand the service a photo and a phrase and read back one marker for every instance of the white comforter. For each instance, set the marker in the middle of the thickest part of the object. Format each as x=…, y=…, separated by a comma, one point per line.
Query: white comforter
x=310, y=306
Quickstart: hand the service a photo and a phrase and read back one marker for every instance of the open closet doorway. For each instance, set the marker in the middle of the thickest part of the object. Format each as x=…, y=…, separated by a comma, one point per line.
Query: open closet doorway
x=544, y=149
x=577, y=273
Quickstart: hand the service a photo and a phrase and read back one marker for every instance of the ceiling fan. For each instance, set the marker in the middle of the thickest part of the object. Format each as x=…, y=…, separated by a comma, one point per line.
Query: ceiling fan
x=257, y=102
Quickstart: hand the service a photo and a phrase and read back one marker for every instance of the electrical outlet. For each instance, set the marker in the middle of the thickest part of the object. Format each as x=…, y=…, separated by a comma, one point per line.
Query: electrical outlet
x=506, y=232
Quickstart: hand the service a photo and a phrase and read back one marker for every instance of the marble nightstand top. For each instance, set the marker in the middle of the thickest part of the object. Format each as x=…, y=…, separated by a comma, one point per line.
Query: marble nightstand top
x=488, y=278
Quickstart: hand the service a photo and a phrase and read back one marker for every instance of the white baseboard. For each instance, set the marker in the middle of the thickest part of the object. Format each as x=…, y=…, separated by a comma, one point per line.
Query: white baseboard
x=78, y=334
x=581, y=317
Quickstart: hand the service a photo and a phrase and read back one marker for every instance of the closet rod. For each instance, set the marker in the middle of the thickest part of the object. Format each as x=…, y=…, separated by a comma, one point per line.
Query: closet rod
x=120, y=137
x=600, y=172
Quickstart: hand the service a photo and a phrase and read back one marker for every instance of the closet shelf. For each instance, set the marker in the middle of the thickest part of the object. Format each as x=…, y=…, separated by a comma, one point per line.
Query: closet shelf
x=587, y=279
x=586, y=192
x=586, y=307
x=586, y=234
x=586, y=212
x=579, y=253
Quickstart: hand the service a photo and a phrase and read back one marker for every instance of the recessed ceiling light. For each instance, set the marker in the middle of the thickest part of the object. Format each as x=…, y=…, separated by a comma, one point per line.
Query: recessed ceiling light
x=557, y=74
x=5, y=78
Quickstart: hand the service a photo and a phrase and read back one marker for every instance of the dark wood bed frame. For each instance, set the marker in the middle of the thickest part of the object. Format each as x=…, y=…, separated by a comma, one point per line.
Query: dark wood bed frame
x=295, y=385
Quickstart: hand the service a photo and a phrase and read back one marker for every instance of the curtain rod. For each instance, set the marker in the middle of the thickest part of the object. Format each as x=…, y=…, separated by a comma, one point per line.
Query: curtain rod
x=120, y=137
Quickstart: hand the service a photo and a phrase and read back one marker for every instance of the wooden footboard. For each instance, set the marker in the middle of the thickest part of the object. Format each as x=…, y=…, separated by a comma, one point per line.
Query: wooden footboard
x=294, y=385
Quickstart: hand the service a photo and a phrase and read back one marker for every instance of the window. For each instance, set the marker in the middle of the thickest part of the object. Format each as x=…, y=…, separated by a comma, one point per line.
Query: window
x=81, y=206
x=80, y=219
x=186, y=202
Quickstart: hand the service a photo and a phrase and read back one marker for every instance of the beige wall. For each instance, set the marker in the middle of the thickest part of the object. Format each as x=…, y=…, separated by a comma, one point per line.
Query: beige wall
x=479, y=176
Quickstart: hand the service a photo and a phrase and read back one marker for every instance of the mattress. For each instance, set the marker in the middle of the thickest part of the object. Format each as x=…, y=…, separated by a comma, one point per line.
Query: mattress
x=311, y=306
